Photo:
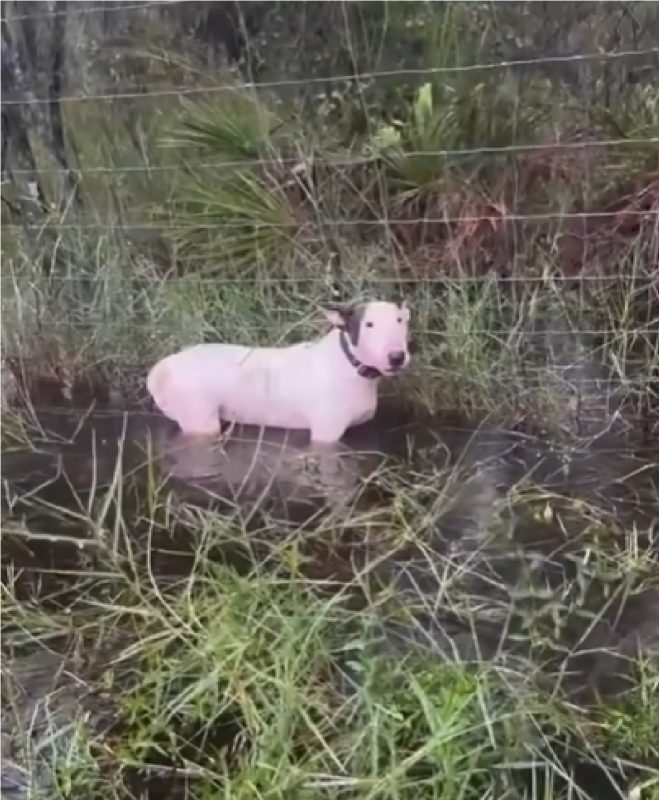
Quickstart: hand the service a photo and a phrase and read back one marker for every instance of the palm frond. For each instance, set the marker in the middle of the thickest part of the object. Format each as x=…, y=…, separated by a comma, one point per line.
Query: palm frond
x=235, y=127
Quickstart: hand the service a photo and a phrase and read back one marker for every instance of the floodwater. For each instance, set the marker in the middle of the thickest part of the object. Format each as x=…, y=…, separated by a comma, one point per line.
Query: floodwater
x=271, y=475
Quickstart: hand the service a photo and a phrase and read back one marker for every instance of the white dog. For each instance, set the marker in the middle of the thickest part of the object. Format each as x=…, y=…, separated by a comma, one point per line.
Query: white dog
x=325, y=386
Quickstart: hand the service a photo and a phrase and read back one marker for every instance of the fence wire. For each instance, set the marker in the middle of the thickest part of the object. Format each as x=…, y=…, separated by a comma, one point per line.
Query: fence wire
x=338, y=223
x=120, y=5
x=188, y=91
x=645, y=281
x=314, y=159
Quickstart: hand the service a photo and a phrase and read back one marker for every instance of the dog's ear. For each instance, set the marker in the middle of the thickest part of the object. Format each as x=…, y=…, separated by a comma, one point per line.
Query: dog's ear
x=337, y=314
x=402, y=304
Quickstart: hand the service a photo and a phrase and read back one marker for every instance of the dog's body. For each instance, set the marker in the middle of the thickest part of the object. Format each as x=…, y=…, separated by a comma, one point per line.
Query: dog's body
x=325, y=386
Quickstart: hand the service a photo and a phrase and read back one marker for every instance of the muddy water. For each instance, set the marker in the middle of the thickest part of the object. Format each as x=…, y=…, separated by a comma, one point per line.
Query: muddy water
x=272, y=474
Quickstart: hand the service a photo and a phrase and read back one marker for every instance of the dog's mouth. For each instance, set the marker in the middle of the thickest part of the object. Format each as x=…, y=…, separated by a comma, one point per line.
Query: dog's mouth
x=395, y=370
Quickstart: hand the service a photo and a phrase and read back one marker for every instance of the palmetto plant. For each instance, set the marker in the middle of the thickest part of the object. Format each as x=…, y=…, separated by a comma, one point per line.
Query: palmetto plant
x=238, y=208
x=242, y=220
x=234, y=127
x=461, y=115
x=438, y=162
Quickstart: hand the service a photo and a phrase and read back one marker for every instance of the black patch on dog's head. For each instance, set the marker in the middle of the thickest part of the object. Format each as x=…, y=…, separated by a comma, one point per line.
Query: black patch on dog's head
x=352, y=316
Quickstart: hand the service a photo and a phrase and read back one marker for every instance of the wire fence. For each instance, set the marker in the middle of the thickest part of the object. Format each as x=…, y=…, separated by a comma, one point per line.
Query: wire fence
x=227, y=280
x=97, y=318
x=154, y=328
x=347, y=223
x=85, y=12
x=188, y=91
x=316, y=159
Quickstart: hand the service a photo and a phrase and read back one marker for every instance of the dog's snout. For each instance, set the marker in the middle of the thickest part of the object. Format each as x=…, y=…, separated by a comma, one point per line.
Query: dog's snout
x=396, y=359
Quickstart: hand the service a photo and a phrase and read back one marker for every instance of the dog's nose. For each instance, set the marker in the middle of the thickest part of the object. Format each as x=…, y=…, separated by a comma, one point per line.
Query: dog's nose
x=396, y=359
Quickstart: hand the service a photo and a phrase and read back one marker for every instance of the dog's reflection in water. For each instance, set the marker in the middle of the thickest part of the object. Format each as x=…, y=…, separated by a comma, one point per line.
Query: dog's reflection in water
x=246, y=463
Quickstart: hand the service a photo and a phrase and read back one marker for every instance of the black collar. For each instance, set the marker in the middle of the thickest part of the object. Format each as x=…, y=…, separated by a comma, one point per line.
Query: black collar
x=364, y=371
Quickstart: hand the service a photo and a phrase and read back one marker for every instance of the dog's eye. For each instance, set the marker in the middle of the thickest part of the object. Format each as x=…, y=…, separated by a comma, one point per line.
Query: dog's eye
x=400, y=319
x=369, y=324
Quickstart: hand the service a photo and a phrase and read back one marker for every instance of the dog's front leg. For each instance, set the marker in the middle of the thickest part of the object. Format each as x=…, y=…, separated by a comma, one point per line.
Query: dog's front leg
x=325, y=459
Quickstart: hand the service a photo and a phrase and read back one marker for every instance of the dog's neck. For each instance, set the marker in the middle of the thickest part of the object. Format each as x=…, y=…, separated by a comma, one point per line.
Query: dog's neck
x=363, y=370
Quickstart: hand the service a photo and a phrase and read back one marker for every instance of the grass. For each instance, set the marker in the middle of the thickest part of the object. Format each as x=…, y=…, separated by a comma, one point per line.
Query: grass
x=271, y=661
